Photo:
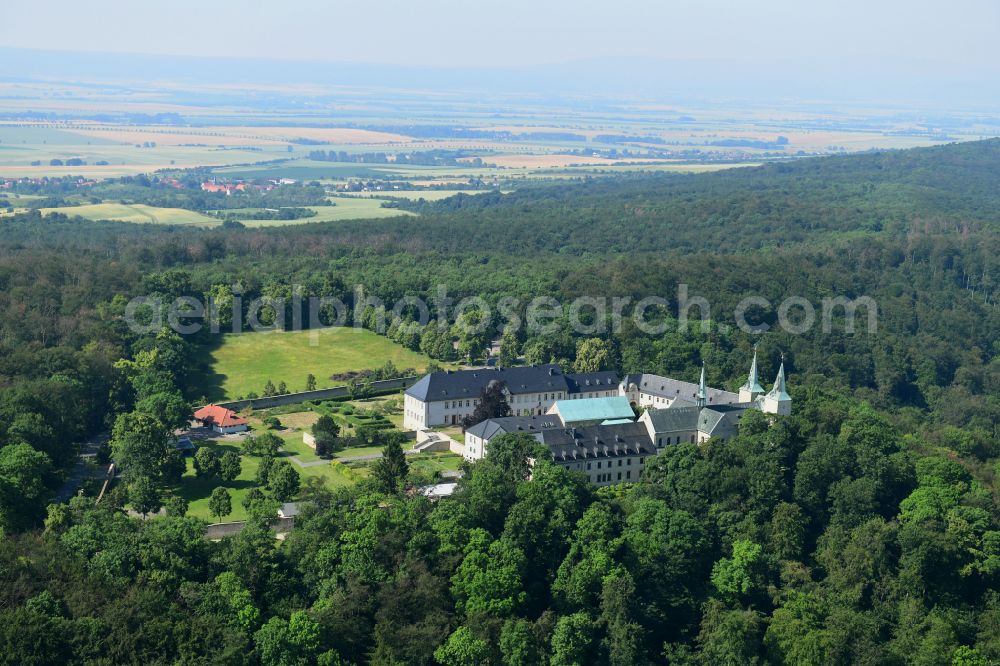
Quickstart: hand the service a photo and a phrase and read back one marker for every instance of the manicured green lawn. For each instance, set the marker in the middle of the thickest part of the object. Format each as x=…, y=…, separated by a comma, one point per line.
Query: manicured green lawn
x=371, y=403
x=245, y=361
x=420, y=463
x=359, y=451
x=428, y=463
x=198, y=490
x=335, y=474
x=298, y=448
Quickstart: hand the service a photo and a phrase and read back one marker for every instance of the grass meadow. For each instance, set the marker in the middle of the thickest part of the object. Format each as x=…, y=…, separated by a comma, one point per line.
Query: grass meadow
x=197, y=491
x=243, y=362
x=137, y=213
x=344, y=208
x=334, y=473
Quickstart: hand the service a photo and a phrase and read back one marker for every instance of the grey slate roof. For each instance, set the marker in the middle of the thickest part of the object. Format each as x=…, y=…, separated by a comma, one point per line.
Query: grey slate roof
x=715, y=421
x=453, y=384
x=667, y=387
x=598, y=442
x=531, y=424
x=721, y=420
x=674, y=419
x=592, y=381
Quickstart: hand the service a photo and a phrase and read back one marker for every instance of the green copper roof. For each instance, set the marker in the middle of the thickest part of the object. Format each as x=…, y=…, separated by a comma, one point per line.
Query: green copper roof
x=778, y=390
x=753, y=382
x=595, y=409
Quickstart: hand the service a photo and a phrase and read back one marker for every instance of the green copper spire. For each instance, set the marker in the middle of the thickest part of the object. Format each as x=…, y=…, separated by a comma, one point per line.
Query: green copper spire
x=753, y=382
x=702, y=388
x=778, y=390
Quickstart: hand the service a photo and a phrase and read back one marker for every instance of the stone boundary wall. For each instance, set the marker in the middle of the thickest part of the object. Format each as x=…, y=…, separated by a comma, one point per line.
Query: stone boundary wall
x=222, y=530
x=376, y=388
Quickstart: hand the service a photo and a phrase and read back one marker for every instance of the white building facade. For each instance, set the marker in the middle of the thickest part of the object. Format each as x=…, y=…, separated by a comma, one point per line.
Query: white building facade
x=448, y=397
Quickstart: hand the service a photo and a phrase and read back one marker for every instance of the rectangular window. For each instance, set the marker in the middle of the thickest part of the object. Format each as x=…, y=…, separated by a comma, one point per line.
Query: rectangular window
x=619, y=476
x=588, y=465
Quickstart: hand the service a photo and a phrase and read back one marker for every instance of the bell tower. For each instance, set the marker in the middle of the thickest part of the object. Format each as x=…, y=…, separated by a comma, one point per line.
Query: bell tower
x=752, y=389
x=777, y=400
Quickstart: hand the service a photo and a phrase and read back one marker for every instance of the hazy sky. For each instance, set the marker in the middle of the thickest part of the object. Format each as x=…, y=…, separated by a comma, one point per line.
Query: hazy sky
x=956, y=33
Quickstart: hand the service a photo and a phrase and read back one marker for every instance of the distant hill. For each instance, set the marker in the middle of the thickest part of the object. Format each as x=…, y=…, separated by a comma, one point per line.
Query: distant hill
x=943, y=188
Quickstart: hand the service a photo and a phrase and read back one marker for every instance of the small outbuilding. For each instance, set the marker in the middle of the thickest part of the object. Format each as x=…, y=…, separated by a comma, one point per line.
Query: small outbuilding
x=184, y=445
x=220, y=419
x=288, y=510
x=439, y=490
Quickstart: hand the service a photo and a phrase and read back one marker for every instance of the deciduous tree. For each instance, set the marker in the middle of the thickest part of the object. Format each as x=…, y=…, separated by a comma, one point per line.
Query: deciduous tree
x=220, y=503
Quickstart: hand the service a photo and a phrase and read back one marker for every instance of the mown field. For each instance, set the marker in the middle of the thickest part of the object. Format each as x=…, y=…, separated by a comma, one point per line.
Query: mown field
x=414, y=195
x=138, y=213
x=344, y=208
x=244, y=362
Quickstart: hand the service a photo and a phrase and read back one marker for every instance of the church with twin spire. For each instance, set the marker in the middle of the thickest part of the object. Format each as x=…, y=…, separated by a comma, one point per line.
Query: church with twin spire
x=655, y=392
x=677, y=412
x=593, y=429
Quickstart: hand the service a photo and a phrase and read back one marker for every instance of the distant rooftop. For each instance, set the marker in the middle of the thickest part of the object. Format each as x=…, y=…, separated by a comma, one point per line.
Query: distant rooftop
x=439, y=490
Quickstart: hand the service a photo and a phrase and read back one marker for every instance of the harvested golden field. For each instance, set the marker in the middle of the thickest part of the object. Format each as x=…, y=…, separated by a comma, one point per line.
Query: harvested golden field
x=341, y=135
x=552, y=161
x=229, y=136
x=172, y=137
x=136, y=213
x=548, y=129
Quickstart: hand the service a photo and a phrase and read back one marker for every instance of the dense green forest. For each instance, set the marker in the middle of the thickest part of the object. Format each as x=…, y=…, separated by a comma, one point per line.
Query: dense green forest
x=862, y=529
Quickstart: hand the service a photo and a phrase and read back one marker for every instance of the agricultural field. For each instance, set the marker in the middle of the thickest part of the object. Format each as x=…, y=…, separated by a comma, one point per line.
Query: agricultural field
x=137, y=213
x=16, y=203
x=119, y=150
x=343, y=208
x=27, y=151
x=532, y=140
x=244, y=362
x=412, y=195
x=554, y=161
